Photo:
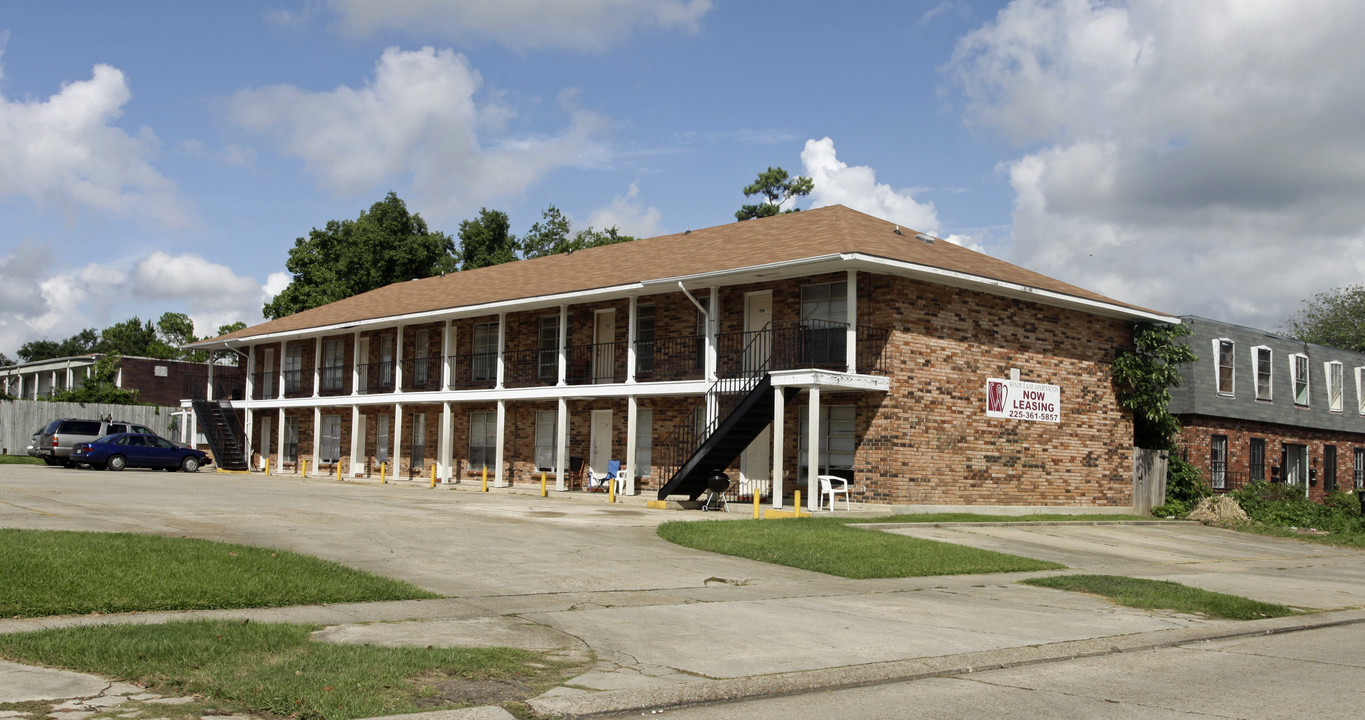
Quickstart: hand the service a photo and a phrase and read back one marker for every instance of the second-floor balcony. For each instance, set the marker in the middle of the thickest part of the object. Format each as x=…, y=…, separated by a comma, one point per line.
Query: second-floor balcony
x=809, y=344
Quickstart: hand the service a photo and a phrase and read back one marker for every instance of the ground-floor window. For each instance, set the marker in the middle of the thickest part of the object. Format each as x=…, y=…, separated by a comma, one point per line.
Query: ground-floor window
x=419, y=440
x=330, y=450
x=1256, y=467
x=1218, y=462
x=1360, y=468
x=291, y=439
x=483, y=433
x=1329, y=468
x=837, y=441
x=381, y=438
x=644, y=442
x=547, y=431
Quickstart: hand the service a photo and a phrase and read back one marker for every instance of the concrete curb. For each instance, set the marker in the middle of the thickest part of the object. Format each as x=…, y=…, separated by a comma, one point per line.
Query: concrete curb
x=762, y=686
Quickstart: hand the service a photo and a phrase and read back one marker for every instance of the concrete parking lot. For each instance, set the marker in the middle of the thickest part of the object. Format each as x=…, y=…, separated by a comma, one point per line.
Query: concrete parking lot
x=668, y=624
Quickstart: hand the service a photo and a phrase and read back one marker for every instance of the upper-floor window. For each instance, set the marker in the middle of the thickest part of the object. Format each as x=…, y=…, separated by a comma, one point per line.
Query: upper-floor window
x=293, y=367
x=547, y=422
x=1334, y=386
x=421, y=365
x=1360, y=389
x=825, y=302
x=333, y=363
x=485, y=351
x=1262, y=357
x=385, y=360
x=1224, y=352
x=547, y=344
x=1298, y=365
x=644, y=339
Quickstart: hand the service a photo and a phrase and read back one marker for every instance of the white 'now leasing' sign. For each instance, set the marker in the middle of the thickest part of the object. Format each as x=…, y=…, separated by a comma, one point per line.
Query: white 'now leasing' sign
x=1019, y=400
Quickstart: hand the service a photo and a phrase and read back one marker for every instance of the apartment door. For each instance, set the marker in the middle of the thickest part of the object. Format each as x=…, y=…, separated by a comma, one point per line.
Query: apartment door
x=1296, y=466
x=599, y=442
x=758, y=312
x=266, y=435
x=604, y=349
x=359, y=432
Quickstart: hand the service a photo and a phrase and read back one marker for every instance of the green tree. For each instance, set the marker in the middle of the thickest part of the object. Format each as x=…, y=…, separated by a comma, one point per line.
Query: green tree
x=227, y=357
x=1335, y=318
x=550, y=236
x=777, y=188
x=4, y=360
x=174, y=331
x=135, y=338
x=100, y=387
x=1145, y=376
x=82, y=343
x=487, y=240
x=385, y=245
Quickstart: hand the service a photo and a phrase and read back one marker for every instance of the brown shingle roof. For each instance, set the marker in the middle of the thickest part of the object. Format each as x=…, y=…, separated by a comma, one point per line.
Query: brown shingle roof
x=796, y=236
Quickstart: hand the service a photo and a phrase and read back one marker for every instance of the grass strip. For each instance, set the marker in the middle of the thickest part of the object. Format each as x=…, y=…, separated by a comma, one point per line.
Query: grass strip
x=829, y=546
x=979, y=518
x=45, y=572
x=275, y=668
x=1164, y=595
x=19, y=460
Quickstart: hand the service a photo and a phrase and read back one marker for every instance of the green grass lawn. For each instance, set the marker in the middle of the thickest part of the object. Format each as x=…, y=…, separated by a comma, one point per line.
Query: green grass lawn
x=276, y=668
x=19, y=460
x=829, y=546
x=62, y=573
x=975, y=517
x=1164, y=595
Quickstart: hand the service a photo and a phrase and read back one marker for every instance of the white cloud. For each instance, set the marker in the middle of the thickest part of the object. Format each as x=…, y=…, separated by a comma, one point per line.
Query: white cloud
x=591, y=25
x=1192, y=157
x=66, y=152
x=856, y=187
x=629, y=215
x=46, y=299
x=417, y=118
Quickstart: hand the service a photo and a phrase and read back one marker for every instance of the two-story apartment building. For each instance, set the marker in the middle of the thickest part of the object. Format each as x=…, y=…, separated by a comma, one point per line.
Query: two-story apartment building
x=826, y=338
x=1259, y=406
x=157, y=381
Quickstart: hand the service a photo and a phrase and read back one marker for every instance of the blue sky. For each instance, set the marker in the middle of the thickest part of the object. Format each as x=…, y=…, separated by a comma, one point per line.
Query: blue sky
x=1198, y=158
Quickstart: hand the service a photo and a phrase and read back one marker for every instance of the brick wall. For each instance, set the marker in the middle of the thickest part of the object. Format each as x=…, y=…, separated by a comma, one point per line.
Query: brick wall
x=1196, y=441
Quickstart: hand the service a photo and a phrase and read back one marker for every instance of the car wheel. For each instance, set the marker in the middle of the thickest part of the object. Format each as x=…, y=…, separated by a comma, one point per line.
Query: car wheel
x=68, y=464
x=190, y=464
x=116, y=463
x=52, y=461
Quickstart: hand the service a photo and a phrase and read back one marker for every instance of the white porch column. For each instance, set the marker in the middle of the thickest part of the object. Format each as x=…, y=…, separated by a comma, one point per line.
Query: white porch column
x=563, y=366
x=712, y=313
x=632, y=412
x=498, y=479
x=356, y=362
x=851, y=333
x=502, y=348
x=396, y=458
x=447, y=349
x=357, y=442
x=561, y=434
x=813, y=449
x=247, y=423
x=398, y=361
x=208, y=390
x=630, y=348
x=279, y=444
x=194, y=428
x=779, y=415
x=317, y=369
x=447, y=436
x=317, y=438
x=250, y=393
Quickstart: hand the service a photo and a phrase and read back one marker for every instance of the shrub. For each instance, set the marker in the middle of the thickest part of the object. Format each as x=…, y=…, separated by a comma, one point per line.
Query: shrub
x=1285, y=506
x=1343, y=501
x=1184, y=483
x=1171, y=508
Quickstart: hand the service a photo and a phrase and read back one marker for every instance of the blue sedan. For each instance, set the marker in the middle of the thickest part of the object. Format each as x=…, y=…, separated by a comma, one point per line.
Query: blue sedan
x=125, y=450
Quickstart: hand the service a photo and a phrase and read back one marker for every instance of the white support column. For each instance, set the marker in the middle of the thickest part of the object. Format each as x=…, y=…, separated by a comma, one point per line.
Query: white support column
x=357, y=442
x=447, y=349
x=779, y=426
x=194, y=428
x=563, y=363
x=398, y=362
x=851, y=338
x=207, y=390
x=317, y=438
x=712, y=327
x=396, y=458
x=247, y=423
x=813, y=448
x=561, y=436
x=250, y=380
x=632, y=412
x=502, y=348
x=498, y=479
x=447, y=437
x=630, y=344
x=356, y=362
x=279, y=444
x=317, y=370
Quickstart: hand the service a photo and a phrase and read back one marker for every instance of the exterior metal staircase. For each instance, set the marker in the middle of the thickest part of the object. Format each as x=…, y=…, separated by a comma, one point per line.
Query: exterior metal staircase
x=222, y=427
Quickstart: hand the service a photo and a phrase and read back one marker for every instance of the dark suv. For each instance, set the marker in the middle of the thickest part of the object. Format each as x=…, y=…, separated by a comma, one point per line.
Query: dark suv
x=54, y=441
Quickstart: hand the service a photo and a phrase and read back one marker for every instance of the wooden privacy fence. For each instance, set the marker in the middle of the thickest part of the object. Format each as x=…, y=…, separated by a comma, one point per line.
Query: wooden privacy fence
x=20, y=418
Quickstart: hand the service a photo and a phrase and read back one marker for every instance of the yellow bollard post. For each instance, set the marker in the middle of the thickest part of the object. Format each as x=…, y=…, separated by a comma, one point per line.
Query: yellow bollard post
x=383, y=467
x=267, y=467
x=611, y=489
x=485, y=478
x=542, y=483
x=338, y=472
x=433, y=476
x=796, y=506
x=303, y=468
x=756, y=497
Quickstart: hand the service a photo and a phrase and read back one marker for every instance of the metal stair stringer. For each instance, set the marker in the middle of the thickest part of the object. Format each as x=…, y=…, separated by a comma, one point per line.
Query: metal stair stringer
x=223, y=429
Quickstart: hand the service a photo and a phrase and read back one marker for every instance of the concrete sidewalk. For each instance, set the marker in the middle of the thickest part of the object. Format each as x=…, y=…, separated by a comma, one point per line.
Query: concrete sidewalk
x=668, y=625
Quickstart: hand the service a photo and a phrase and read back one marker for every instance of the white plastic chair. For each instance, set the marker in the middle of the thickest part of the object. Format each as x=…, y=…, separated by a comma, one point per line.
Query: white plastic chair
x=828, y=489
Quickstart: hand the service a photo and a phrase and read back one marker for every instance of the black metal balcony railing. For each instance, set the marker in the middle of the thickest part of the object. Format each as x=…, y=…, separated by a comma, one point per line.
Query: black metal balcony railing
x=422, y=374
x=229, y=383
x=473, y=371
x=528, y=368
x=376, y=377
x=1223, y=480
x=334, y=380
x=596, y=363
x=670, y=358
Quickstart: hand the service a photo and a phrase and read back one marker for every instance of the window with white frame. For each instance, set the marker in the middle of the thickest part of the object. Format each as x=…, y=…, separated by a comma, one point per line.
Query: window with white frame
x=547, y=422
x=485, y=351
x=293, y=367
x=644, y=339
x=1335, y=391
x=421, y=370
x=1218, y=462
x=1360, y=389
x=547, y=344
x=837, y=441
x=381, y=435
x=329, y=452
x=291, y=439
x=483, y=439
x=333, y=364
x=268, y=373
x=644, y=442
x=1224, y=354
x=419, y=440
x=1298, y=366
x=385, y=361
x=1263, y=359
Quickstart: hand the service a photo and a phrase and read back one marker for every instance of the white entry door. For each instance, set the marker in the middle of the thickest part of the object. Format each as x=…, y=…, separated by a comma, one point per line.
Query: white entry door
x=265, y=439
x=758, y=312
x=604, y=352
x=600, y=442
